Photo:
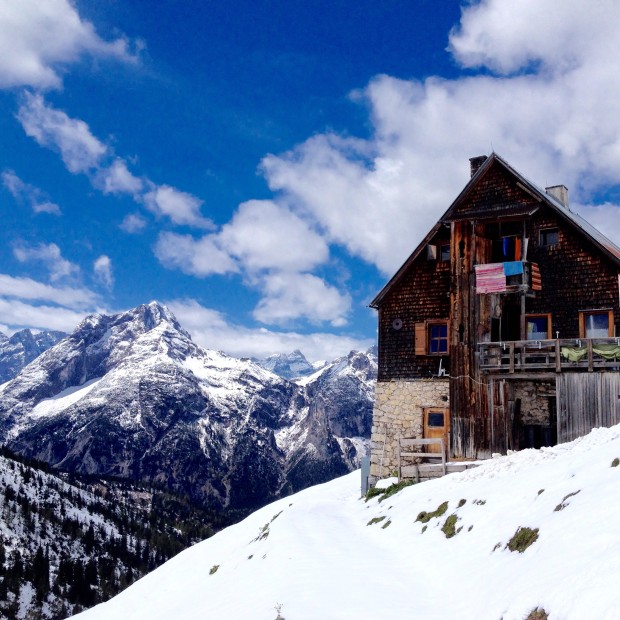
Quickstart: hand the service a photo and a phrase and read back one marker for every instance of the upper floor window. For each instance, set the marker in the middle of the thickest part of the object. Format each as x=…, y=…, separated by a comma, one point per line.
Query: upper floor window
x=596, y=324
x=538, y=326
x=438, y=337
x=444, y=252
x=549, y=236
x=431, y=338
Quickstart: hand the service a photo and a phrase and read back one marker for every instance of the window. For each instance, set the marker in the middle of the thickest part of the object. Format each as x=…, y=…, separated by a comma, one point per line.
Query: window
x=596, y=324
x=431, y=338
x=444, y=252
x=549, y=236
x=435, y=419
x=538, y=326
x=437, y=337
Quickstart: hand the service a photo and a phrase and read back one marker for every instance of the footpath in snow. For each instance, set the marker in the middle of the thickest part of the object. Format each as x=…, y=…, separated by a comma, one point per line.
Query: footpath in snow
x=325, y=553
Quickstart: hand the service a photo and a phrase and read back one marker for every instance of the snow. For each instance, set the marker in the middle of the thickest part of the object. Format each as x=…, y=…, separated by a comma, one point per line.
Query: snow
x=318, y=555
x=62, y=400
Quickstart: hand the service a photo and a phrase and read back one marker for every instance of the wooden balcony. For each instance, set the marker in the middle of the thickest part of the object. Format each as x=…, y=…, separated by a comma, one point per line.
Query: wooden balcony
x=536, y=356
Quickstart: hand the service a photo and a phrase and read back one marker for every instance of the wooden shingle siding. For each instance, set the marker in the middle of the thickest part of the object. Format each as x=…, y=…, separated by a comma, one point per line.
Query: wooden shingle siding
x=421, y=295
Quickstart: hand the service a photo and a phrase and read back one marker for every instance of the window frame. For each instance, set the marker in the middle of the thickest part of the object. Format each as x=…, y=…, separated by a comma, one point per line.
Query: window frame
x=442, y=256
x=543, y=232
x=540, y=315
x=422, y=337
x=584, y=314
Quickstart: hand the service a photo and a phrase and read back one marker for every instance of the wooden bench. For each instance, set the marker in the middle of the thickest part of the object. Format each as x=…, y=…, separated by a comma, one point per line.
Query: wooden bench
x=413, y=449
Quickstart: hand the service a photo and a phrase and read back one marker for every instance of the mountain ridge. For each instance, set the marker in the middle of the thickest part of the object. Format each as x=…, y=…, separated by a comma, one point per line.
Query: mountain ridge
x=132, y=395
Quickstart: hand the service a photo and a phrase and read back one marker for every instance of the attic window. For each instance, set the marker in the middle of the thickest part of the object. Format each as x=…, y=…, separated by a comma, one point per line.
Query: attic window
x=549, y=236
x=444, y=252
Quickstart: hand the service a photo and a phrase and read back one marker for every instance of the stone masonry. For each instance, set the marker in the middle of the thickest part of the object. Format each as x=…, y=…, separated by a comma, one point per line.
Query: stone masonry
x=398, y=412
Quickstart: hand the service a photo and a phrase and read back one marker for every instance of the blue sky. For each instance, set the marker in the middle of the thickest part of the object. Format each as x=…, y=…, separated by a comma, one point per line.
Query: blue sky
x=263, y=168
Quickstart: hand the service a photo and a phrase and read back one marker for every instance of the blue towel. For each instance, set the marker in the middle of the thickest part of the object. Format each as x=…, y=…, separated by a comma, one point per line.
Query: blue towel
x=513, y=268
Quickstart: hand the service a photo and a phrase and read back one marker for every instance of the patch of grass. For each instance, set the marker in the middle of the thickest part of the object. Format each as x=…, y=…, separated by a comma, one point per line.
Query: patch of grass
x=462, y=502
x=470, y=528
x=541, y=491
x=372, y=492
x=537, y=614
x=425, y=517
x=497, y=546
x=615, y=462
x=449, y=526
x=424, y=528
x=480, y=502
x=375, y=520
x=522, y=539
x=386, y=524
x=563, y=503
x=250, y=557
x=276, y=516
x=214, y=569
x=395, y=488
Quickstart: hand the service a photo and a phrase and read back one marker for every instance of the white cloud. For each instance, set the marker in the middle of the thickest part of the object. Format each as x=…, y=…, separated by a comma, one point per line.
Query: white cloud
x=182, y=208
x=18, y=315
x=197, y=257
x=507, y=36
x=116, y=179
x=288, y=296
x=133, y=223
x=26, y=288
x=102, y=268
x=22, y=191
x=553, y=116
x=50, y=255
x=211, y=329
x=36, y=38
x=80, y=150
x=266, y=235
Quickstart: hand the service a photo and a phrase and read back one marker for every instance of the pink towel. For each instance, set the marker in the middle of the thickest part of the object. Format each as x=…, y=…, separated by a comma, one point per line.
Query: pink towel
x=490, y=278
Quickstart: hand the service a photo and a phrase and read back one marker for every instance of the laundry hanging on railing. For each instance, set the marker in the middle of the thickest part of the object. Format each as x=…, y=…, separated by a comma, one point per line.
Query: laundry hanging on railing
x=490, y=278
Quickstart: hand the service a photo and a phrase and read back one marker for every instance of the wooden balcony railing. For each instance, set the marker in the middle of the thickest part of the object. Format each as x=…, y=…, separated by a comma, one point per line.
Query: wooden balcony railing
x=556, y=355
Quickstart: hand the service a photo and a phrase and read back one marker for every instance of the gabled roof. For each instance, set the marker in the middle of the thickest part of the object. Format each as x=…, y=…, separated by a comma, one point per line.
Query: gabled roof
x=594, y=235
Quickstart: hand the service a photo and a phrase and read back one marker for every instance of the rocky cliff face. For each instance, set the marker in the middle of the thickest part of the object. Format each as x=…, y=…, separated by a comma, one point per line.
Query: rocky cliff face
x=131, y=395
x=23, y=347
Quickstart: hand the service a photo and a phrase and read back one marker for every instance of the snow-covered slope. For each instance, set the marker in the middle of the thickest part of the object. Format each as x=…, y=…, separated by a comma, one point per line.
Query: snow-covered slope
x=21, y=348
x=325, y=553
x=131, y=395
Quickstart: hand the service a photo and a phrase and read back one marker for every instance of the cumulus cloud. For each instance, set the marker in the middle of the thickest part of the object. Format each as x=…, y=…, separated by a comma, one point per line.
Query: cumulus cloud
x=197, y=257
x=266, y=235
x=50, y=255
x=80, y=150
x=133, y=223
x=180, y=207
x=24, y=192
x=36, y=38
x=289, y=296
x=212, y=330
x=102, y=268
x=19, y=315
x=548, y=102
x=27, y=288
x=116, y=179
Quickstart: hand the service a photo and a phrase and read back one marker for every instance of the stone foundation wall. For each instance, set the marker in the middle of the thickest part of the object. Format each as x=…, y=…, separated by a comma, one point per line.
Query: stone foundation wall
x=398, y=412
x=534, y=401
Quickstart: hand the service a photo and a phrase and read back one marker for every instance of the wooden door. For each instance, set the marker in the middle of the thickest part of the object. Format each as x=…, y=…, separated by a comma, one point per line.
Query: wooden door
x=436, y=426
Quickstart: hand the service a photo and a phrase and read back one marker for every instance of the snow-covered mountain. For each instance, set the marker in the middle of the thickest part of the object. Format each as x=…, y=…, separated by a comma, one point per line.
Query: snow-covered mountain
x=288, y=366
x=131, y=395
x=532, y=535
x=21, y=348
